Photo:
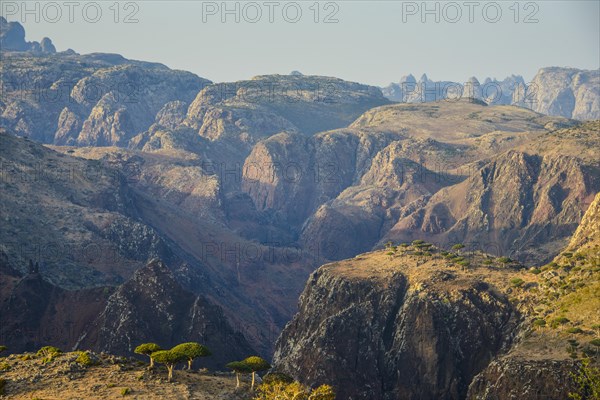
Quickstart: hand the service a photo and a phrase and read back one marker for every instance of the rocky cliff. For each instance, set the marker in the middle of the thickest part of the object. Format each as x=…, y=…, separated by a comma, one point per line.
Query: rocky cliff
x=405, y=328
x=552, y=179
x=417, y=322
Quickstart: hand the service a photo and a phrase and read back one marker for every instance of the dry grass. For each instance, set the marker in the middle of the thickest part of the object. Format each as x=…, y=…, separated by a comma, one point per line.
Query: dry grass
x=64, y=379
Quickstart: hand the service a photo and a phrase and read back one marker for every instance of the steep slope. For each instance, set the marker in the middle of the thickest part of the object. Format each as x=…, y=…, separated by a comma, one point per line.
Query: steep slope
x=222, y=247
x=232, y=117
x=418, y=154
x=33, y=311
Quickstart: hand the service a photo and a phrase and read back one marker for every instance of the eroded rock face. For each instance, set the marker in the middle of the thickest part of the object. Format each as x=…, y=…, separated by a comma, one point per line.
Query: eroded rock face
x=247, y=111
x=529, y=371
x=94, y=100
x=566, y=92
x=490, y=208
x=381, y=335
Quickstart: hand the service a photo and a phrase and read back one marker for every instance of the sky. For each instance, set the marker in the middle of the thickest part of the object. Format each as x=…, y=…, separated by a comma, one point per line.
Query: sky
x=374, y=42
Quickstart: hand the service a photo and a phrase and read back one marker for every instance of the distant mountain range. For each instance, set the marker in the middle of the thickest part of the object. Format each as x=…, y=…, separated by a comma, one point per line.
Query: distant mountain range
x=565, y=92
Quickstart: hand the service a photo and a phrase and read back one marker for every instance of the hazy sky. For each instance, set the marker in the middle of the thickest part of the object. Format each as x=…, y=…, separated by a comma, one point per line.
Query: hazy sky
x=372, y=42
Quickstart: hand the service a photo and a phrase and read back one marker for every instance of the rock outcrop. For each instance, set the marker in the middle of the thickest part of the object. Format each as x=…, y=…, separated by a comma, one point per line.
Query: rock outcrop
x=12, y=38
x=33, y=312
x=378, y=328
x=567, y=92
x=528, y=379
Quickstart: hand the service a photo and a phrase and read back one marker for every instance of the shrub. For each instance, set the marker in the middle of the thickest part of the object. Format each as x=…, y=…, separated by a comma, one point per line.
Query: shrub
x=487, y=262
x=48, y=353
x=293, y=391
x=504, y=260
x=2, y=386
x=539, y=322
x=595, y=342
x=558, y=321
x=323, y=392
x=418, y=253
x=404, y=244
x=4, y=366
x=567, y=254
x=417, y=242
x=125, y=391
x=587, y=380
x=275, y=377
x=535, y=271
x=517, y=282
x=574, y=330
x=458, y=246
x=84, y=359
